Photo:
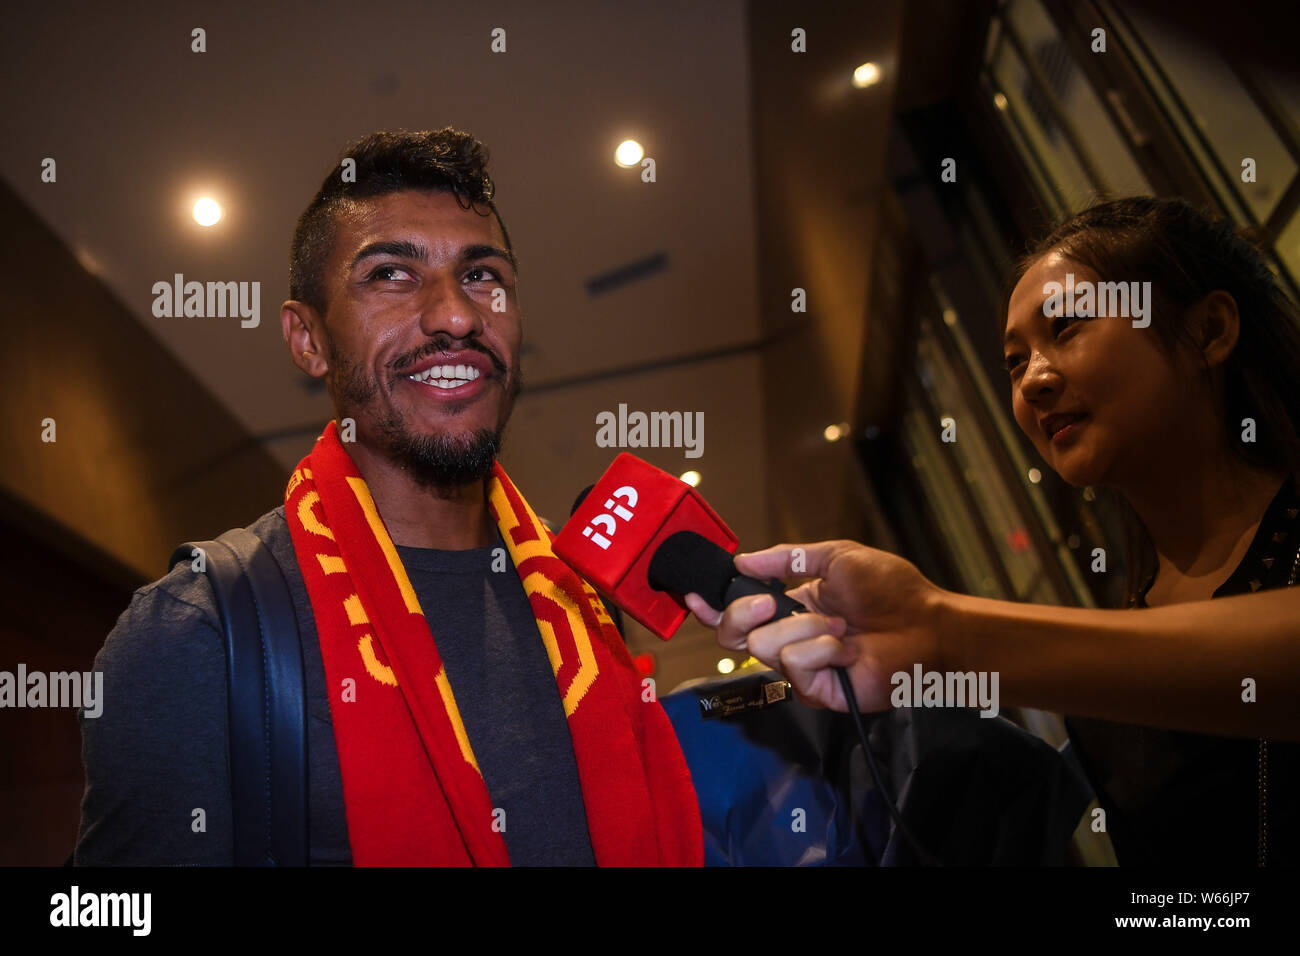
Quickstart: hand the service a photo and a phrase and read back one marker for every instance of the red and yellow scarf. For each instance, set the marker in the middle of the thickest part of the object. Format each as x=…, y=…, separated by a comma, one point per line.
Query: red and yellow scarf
x=412, y=789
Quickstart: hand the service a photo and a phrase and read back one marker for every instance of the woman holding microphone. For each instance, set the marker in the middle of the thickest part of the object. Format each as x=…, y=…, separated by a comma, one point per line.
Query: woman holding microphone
x=1185, y=708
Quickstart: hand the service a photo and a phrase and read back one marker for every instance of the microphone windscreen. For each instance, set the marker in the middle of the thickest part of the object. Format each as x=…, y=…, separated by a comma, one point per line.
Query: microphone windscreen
x=687, y=561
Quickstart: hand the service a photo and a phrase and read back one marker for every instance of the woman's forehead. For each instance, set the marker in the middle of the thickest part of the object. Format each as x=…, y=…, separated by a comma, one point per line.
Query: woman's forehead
x=1029, y=293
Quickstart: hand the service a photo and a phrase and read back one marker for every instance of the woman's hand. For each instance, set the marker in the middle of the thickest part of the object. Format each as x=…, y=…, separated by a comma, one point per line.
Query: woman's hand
x=868, y=610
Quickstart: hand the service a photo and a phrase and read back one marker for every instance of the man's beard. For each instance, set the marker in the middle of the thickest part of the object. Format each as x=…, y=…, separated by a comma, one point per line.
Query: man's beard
x=441, y=463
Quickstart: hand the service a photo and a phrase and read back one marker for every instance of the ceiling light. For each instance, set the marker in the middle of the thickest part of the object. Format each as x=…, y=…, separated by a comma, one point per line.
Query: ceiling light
x=868, y=74
x=207, y=212
x=629, y=153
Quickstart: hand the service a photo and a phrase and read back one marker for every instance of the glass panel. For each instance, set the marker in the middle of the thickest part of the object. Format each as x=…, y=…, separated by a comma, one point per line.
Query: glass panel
x=961, y=537
x=1222, y=111
x=1287, y=91
x=1043, y=135
x=1043, y=187
x=1107, y=149
x=979, y=470
x=1288, y=246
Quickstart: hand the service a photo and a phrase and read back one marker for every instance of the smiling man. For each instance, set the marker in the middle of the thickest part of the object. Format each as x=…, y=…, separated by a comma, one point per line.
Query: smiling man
x=470, y=700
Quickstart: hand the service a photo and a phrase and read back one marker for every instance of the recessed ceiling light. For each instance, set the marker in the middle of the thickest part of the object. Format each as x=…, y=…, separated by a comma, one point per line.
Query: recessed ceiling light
x=629, y=153
x=207, y=212
x=868, y=74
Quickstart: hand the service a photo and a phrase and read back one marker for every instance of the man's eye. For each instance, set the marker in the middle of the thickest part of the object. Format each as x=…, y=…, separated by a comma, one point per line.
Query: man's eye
x=380, y=273
x=1014, y=362
x=475, y=274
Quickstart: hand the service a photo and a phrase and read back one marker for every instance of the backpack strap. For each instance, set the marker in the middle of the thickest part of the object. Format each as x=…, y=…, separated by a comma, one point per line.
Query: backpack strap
x=267, y=698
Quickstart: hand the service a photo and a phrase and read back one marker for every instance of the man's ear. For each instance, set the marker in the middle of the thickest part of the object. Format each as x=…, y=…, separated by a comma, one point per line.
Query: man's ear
x=304, y=333
x=1218, y=326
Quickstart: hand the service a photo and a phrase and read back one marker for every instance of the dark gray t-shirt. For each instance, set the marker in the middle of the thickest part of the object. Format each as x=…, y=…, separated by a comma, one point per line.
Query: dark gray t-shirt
x=507, y=696
x=156, y=759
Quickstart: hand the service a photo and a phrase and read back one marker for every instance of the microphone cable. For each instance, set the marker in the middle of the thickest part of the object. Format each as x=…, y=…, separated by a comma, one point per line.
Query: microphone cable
x=925, y=856
x=686, y=562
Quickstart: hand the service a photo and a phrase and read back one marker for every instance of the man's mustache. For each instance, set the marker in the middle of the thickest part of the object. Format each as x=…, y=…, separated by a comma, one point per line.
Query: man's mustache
x=438, y=346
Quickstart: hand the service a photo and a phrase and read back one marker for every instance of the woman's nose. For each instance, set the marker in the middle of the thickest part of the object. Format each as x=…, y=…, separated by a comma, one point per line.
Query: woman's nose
x=1041, y=378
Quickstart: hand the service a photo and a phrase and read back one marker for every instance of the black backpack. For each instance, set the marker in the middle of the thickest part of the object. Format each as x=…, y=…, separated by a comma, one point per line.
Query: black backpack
x=266, y=690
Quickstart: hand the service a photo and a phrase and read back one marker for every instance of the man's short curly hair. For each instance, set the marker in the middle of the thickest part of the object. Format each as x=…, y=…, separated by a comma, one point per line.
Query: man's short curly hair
x=444, y=160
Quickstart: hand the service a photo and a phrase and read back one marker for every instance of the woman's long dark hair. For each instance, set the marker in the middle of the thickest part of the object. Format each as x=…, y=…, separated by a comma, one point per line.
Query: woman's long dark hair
x=1186, y=255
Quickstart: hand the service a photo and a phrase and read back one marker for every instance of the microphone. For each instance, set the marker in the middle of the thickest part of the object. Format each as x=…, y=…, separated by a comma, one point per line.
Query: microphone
x=616, y=530
x=687, y=561
x=615, y=612
x=645, y=539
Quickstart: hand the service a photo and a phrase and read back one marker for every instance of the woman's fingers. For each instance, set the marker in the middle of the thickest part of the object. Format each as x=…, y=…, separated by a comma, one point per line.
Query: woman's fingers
x=773, y=562
x=803, y=647
x=807, y=560
x=766, y=642
x=805, y=665
x=703, y=613
x=740, y=617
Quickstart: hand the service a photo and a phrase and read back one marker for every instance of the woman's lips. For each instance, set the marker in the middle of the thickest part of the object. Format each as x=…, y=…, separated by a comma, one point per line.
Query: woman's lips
x=1064, y=436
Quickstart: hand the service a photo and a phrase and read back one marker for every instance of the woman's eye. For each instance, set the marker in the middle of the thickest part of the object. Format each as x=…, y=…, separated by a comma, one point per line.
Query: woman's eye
x=1014, y=362
x=1063, y=322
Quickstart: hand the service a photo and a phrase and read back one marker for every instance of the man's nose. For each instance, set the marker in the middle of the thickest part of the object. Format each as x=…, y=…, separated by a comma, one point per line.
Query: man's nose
x=448, y=309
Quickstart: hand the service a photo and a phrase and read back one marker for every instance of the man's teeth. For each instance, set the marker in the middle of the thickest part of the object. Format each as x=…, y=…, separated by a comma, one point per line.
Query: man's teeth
x=447, y=376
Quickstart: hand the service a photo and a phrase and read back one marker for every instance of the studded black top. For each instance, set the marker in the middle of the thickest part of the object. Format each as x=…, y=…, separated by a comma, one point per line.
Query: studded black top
x=1183, y=799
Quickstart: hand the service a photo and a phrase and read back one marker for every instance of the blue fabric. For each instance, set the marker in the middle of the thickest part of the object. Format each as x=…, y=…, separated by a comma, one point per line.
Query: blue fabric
x=974, y=791
x=767, y=796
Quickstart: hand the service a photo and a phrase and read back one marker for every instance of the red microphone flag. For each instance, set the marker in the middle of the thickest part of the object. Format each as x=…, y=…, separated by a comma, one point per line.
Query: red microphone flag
x=614, y=533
